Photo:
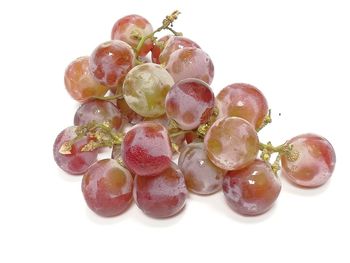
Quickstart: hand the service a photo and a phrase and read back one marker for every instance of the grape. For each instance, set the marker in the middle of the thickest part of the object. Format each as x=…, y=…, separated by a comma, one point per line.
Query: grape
x=190, y=102
x=231, y=143
x=201, y=175
x=190, y=62
x=174, y=43
x=242, y=100
x=315, y=162
x=76, y=162
x=110, y=62
x=145, y=88
x=107, y=188
x=131, y=29
x=146, y=149
x=158, y=48
x=99, y=111
x=131, y=116
x=161, y=195
x=79, y=82
x=253, y=189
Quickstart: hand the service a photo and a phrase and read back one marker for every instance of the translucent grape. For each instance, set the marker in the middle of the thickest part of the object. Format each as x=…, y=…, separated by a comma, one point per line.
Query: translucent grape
x=190, y=62
x=107, y=188
x=174, y=43
x=145, y=88
x=190, y=102
x=161, y=195
x=110, y=62
x=158, y=48
x=242, y=100
x=76, y=162
x=253, y=189
x=315, y=163
x=79, y=82
x=131, y=29
x=231, y=143
x=201, y=175
x=99, y=111
x=146, y=149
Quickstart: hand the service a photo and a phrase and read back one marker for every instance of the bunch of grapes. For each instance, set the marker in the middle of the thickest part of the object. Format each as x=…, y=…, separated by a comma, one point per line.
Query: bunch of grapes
x=154, y=114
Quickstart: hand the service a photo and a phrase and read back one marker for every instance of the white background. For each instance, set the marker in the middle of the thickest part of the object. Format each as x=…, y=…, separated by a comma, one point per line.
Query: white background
x=296, y=52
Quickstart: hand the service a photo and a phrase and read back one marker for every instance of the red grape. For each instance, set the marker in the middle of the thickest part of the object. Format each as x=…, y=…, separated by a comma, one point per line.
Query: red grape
x=107, y=188
x=146, y=149
x=110, y=62
x=231, y=143
x=201, y=175
x=99, y=111
x=315, y=163
x=131, y=29
x=79, y=82
x=158, y=48
x=253, y=189
x=76, y=162
x=190, y=62
x=174, y=43
x=190, y=102
x=161, y=195
x=242, y=100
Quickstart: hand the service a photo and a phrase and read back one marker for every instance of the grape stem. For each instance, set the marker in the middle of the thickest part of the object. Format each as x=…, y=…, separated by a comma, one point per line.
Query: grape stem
x=167, y=24
x=100, y=135
x=113, y=97
x=266, y=121
x=284, y=149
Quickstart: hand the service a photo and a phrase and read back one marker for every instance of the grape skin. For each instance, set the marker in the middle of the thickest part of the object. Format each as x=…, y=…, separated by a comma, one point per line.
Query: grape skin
x=252, y=190
x=77, y=162
x=201, y=175
x=190, y=62
x=79, y=83
x=158, y=48
x=131, y=29
x=107, y=188
x=99, y=111
x=145, y=88
x=161, y=195
x=174, y=43
x=242, y=100
x=190, y=102
x=146, y=149
x=231, y=143
x=315, y=163
x=110, y=62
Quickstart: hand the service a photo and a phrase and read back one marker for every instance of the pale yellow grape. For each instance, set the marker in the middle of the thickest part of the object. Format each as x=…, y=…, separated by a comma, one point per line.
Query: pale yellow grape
x=145, y=88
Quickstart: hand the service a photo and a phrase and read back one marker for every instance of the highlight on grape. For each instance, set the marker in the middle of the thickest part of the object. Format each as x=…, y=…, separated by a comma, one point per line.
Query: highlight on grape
x=148, y=98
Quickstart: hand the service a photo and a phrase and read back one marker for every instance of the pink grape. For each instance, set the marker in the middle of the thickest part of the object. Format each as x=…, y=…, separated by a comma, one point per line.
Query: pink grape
x=201, y=175
x=110, y=62
x=174, y=43
x=231, y=143
x=107, y=188
x=253, y=189
x=131, y=29
x=131, y=116
x=76, y=162
x=242, y=100
x=190, y=102
x=190, y=62
x=146, y=149
x=315, y=163
x=99, y=111
x=79, y=82
x=161, y=195
x=158, y=48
